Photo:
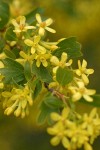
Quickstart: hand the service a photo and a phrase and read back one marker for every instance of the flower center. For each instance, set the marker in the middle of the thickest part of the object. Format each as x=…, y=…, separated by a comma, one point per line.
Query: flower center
x=43, y=24
x=22, y=26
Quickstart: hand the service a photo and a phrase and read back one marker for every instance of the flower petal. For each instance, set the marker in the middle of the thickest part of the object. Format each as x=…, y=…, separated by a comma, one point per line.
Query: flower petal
x=29, y=42
x=22, y=20
x=55, y=141
x=14, y=22
x=88, y=98
x=49, y=22
x=85, y=79
x=38, y=18
x=50, y=30
x=64, y=57
x=45, y=63
x=54, y=60
x=41, y=31
x=84, y=64
x=33, y=50
x=89, y=71
x=65, y=142
x=55, y=117
x=37, y=39
x=90, y=91
x=77, y=96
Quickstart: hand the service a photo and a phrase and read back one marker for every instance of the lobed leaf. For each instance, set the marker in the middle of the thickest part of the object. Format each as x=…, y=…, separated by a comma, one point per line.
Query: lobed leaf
x=70, y=46
x=12, y=71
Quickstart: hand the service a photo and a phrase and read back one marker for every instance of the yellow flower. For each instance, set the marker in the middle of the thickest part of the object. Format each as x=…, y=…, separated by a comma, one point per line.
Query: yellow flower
x=21, y=25
x=83, y=71
x=35, y=46
x=87, y=146
x=92, y=124
x=25, y=57
x=56, y=117
x=17, y=101
x=74, y=133
x=42, y=58
x=59, y=132
x=43, y=25
x=62, y=63
x=81, y=91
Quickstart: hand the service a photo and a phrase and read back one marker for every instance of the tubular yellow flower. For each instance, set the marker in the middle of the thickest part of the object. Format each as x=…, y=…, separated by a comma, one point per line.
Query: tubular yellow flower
x=17, y=101
x=81, y=91
x=43, y=25
x=62, y=63
x=21, y=25
x=83, y=71
x=35, y=46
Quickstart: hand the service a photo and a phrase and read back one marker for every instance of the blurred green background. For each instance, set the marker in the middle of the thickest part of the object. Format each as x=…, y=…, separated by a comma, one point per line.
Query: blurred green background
x=80, y=18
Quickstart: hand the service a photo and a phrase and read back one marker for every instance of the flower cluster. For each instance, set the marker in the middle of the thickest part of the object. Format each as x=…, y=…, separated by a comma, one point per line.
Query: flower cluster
x=31, y=64
x=76, y=133
x=77, y=88
x=17, y=101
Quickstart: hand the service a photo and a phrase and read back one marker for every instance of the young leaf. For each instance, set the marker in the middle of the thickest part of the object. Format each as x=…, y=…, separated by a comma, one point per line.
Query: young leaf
x=64, y=76
x=4, y=14
x=37, y=89
x=27, y=71
x=12, y=71
x=53, y=102
x=70, y=46
x=42, y=73
x=95, y=103
x=10, y=35
x=30, y=18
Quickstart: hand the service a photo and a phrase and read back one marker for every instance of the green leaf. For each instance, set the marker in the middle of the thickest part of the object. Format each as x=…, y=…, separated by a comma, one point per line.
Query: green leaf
x=45, y=113
x=53, y=102
x=27, y=71
x=10, y=35
x=2, y=44
x=16, y=51
x=10, y=54
x=30, y=18
x=12, y=71
x=95, y=103
x=37, y=89
x=42, y=73
x=70, y=46
x=64, y=76
x=4, y=14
